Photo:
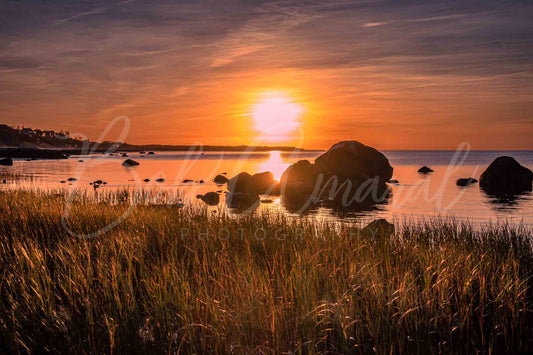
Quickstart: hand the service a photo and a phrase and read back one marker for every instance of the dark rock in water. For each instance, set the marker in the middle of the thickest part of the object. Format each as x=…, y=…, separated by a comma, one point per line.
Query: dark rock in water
x=298, y=184
x=258, y=184
x=219, y=179
x=160, y=180
x=6, y=162
x=378, y=228
x=124, y=155
x=63, y=182
x=104, y=183
x=352, y=160
x=224, y=173
x=425, y=170
x=146, y=180
x=201, y=182
x=150, y=153
x=242, y=201
x=130, y=162
x=186, y=181
x=242, y=182
x=72, y=179
x=264, y=183
x=393, y=181
x=80, y=161
x=465, y=181
x=505, y=176
x=211, y=198
x=142, y=152
x=98, y=182
x=301, y=172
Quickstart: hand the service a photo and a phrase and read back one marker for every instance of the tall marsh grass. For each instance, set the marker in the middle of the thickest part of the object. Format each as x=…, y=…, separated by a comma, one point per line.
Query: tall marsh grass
x=197, y=280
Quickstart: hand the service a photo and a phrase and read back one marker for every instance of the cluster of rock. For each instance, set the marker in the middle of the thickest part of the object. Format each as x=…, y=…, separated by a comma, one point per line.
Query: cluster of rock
x=349, y=174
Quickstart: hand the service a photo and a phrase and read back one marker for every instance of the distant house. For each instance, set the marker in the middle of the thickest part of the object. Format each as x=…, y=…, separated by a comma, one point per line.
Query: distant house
x=27, y=131
x=49, y=134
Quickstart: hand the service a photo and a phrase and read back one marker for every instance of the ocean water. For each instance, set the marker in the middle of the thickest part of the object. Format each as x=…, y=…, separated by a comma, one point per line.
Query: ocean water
x=416, y=195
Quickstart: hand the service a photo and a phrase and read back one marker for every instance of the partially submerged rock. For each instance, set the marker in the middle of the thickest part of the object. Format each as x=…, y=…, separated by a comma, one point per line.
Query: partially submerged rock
x=220, y=179
x=130, y=162
x=505, y=176
x=465, y=181
x=425, y=170
x=352, y=160
x=211, y=198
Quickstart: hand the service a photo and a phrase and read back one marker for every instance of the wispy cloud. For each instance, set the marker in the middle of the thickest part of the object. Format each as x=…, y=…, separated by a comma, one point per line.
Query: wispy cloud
x=96, y=11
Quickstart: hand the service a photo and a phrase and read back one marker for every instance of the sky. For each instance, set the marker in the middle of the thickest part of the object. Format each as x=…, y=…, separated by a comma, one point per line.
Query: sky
x=391, y=74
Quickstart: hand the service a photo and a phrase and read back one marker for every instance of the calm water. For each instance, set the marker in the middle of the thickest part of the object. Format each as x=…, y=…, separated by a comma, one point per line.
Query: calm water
x=415, y=196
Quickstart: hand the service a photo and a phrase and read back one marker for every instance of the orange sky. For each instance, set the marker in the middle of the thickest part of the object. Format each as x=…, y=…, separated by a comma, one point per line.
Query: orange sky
x=394, y=76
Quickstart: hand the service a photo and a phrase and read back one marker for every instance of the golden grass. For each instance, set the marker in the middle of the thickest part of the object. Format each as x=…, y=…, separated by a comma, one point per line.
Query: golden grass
x=267, y=284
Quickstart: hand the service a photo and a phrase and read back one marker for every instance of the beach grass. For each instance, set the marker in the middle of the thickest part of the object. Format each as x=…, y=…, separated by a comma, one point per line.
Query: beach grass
x=199, y=280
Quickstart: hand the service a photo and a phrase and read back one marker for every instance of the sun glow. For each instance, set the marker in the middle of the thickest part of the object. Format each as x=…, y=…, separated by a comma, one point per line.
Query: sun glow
x=276, y=115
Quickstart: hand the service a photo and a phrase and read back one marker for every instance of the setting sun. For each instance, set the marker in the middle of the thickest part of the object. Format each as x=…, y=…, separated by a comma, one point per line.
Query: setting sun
x=276, y=115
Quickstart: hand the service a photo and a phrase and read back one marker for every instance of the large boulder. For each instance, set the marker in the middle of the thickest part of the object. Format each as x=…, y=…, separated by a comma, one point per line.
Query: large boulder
x=302, y=173
x=505, y=176
x=6, y=162
x=264, y=183
x=242, y=182
x=258, y=184
x=298, y=183
x=354, y=161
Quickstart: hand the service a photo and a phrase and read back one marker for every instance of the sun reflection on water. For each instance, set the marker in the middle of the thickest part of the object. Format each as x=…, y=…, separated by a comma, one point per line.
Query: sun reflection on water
x=274, y=164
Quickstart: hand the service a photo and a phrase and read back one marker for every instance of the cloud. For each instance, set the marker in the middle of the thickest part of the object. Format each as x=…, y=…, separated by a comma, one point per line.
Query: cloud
x=96, y=11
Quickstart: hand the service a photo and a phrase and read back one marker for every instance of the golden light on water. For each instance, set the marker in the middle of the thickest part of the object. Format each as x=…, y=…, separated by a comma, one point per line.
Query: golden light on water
x=276, y=115
x=274, y=164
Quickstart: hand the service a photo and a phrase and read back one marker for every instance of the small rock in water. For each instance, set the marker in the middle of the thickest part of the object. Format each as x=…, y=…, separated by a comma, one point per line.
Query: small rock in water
x=187, y=181
x=98, y=182
x=72, y=179
x=80, y=161
x=202, y=182
x=130, y=162
x=124, y=155
x=105, y=183
x=219, y=179
x=160, y=180
x=393, y=181
x=62, y=182
x=425, y=170
x=150, y=153
x=146, y=180
x=466, y=181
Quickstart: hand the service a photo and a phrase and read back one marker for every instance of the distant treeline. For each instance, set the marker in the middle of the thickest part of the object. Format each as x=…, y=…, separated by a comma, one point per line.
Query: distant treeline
x=36, y=138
